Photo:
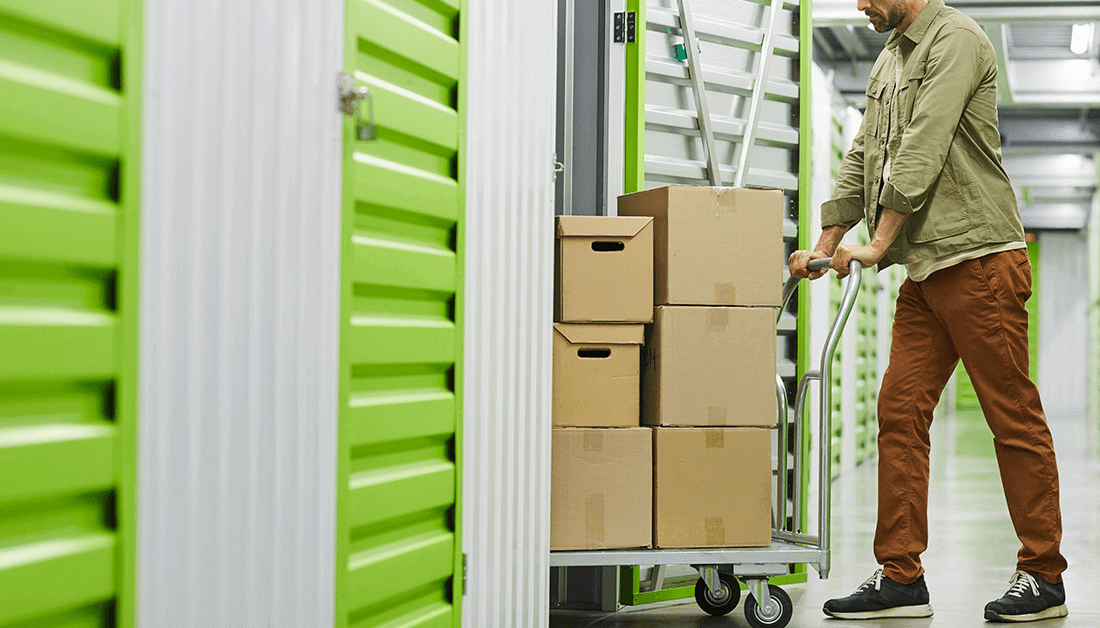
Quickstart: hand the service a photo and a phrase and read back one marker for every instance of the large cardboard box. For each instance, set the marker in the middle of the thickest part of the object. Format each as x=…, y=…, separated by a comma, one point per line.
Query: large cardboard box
x=713, y=246
x=601, y=488
x=712, y=487
x=597, y=375
x=705, y=366
x=604, y=270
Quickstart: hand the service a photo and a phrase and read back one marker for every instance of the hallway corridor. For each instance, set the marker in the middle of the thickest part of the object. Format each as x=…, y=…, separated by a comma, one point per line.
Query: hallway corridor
x=972, y=546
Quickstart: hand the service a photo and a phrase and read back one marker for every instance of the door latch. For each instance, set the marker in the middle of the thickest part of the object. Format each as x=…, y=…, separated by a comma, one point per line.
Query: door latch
x=350, y=96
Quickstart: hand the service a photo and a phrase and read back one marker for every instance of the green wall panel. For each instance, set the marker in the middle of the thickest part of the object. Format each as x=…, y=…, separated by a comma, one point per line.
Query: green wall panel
x=69, y=140
x=401, y=333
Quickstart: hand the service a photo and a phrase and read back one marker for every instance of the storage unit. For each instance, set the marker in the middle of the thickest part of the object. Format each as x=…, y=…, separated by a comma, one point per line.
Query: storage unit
x=766, y=108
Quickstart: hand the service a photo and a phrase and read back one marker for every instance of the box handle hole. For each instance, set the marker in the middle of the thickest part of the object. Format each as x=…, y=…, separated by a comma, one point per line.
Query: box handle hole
x=608, y=247
x=594, y=353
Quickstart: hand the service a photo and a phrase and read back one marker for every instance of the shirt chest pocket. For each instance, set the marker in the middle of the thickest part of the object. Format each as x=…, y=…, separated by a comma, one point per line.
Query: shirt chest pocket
x=907, y=91
x=875, y=108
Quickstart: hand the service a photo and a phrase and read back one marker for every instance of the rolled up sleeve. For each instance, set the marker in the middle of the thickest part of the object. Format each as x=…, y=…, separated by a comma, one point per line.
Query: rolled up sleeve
x=951, y=76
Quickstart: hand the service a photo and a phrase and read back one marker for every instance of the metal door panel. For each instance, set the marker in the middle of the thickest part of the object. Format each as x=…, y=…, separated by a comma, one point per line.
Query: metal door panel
x=400, y=338
x=52, y=228
x=68, y=206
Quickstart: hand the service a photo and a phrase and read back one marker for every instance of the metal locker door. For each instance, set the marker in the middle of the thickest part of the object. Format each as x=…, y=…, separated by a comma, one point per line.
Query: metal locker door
x=69, y=132
x=398, y=512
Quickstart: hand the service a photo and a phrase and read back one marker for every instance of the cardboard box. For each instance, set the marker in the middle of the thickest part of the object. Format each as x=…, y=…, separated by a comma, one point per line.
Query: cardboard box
x=713, y=246
x=705, y=366
x=712, y=487
x=601, y=488
x=597, y=375
x=604, y=270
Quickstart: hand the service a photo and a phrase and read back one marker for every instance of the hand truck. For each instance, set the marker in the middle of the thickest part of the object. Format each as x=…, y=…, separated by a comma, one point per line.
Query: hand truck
x=718, y=590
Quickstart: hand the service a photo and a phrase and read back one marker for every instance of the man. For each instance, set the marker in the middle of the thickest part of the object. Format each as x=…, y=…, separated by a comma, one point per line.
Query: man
x=925, y=173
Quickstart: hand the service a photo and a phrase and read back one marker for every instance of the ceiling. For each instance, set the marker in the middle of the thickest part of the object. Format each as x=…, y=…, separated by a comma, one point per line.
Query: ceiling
x=1048, y=95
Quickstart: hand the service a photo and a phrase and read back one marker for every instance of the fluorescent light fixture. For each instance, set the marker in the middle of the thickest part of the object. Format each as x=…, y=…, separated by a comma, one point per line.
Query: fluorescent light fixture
x=1081, y=38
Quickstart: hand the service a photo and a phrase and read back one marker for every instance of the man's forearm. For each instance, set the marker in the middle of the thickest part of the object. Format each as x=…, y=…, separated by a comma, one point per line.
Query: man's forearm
x=830, y=239
x=888, y=230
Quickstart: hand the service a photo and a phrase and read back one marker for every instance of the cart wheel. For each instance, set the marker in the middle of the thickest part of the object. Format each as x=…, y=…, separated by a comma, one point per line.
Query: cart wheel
x=782, y=609
x=731, y=594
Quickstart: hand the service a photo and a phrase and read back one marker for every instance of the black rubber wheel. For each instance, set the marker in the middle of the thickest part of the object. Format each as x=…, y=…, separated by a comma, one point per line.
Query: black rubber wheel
x=780, y=618
x=731, y=595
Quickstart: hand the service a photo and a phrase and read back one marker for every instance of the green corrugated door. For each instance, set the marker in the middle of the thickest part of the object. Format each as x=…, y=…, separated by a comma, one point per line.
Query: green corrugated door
x=398, y=520
x=68, y=251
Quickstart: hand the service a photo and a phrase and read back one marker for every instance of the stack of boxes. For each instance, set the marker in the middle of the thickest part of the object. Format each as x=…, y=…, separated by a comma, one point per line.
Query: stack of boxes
x=707, y=370
x=602, y=492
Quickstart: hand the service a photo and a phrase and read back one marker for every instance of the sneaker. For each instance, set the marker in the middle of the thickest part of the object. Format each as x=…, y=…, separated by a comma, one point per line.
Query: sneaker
x=1030, y=598
x=880, y=596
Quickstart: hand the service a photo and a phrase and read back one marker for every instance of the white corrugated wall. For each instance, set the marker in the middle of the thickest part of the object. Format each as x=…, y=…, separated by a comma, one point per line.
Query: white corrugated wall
x=1063, y=322
x=509, y=298
x=239, y=313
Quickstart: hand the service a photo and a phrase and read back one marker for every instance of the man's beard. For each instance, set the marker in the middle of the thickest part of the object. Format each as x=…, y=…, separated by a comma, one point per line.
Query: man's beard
x=895, y=14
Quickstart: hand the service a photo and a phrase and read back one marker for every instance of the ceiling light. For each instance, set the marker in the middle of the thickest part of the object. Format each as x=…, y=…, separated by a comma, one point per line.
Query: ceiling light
x=1081, y=38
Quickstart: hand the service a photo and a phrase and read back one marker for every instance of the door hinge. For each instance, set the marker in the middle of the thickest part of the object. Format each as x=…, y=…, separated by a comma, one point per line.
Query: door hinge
x=624, y=28
x=349, y=96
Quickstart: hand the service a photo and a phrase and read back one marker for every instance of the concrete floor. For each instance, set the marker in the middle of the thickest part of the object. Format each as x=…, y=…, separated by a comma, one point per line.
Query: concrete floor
x=972, y=548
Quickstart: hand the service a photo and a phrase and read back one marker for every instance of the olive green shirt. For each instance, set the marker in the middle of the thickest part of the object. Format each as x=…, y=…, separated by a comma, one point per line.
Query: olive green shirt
x=944, y=146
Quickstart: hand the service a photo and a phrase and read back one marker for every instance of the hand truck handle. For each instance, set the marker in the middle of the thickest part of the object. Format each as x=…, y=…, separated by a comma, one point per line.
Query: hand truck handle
x=824, y=375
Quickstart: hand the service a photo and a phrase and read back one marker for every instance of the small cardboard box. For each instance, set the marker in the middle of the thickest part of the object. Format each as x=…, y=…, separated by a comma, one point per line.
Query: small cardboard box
x=601, y=488
x=705, y=366
x=597, y=375
x=604, y=270
x=713, y=246
x=711, y=487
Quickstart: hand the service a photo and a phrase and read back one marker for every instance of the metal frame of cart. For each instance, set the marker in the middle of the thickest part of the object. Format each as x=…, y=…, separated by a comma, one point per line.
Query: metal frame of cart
x=717, y=591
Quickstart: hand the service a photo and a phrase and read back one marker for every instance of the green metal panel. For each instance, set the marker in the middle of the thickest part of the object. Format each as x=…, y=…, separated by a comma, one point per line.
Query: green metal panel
x=69, y=191
x=398, y=496
x=634, y=135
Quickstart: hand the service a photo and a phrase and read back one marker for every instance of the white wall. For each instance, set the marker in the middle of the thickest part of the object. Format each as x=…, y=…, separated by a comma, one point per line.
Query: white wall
x=509, y=298
x=239, y=315
x=1063, y=306
x=1093, y=380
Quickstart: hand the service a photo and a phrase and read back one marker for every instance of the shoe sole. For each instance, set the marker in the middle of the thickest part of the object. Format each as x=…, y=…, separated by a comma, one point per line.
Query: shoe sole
x=1050, y=613
x=920, y=610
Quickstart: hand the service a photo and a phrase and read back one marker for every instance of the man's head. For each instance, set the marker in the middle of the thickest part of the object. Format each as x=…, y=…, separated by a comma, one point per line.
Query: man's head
x=887, y=15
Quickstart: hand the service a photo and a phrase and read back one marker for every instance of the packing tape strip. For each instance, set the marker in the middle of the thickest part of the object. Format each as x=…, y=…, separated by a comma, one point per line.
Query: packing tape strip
x=594, y=520
x=714, y=531
x=717, y=416
x=593, y=440
x=725, y=293
x=718, y=319
x=716, y=439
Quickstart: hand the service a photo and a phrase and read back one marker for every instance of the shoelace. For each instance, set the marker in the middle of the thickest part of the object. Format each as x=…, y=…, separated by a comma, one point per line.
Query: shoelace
x=876, y=580
x=1021, y=581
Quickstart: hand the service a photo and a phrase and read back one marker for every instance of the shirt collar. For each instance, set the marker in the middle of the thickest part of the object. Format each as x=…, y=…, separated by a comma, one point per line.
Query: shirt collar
x=919, y=27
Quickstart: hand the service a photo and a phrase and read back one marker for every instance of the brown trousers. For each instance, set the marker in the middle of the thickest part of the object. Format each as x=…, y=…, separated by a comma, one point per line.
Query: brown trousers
x=974, y=310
